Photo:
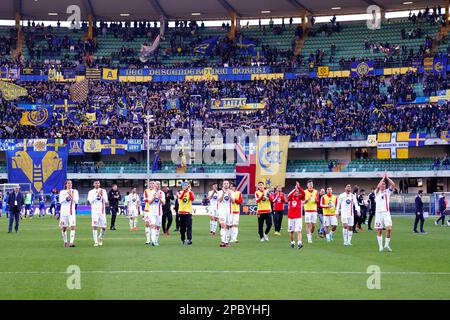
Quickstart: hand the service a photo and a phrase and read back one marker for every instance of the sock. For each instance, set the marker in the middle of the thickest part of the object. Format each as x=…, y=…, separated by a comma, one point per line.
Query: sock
x=64, y=235
x=299, y=242
x=228, y=234
x=223, y=235
x=131, y=223
x=214, y=226
x=328, y=236
x=388, y=240
x=211, y=225
x=72, y=236
x=95, y=236
x=292, y=242
x=147, y=234
x=102, y=232
x=135, y=221
x=331, y=232
x=344, y=235
x=235, y=235
x=156, y=235
x=380, y=241
x=309, y=235
x=350, y=235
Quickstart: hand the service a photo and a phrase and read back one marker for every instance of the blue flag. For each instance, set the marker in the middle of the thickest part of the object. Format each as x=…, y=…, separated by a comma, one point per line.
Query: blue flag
x=246, y=46
x=173, y=104
x=43, y=164
x=417, y=139
x=136, y=117
x=361, y=68
x=122, y=107
x=76, y=147
x=207, y=46
x=440, y=65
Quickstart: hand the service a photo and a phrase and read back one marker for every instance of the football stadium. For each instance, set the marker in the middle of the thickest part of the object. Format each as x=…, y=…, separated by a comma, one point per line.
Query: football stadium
x=224, y=149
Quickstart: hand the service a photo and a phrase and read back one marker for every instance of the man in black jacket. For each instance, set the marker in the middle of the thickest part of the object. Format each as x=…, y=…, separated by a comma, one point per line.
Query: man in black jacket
x=371, y=208
x=167, y=212
x=113, y=198
x=15, y=203
x=419, y=213
x=177, y=216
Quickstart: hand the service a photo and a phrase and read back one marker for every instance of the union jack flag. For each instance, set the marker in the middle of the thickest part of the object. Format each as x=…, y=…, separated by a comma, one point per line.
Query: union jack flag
x=246, y=168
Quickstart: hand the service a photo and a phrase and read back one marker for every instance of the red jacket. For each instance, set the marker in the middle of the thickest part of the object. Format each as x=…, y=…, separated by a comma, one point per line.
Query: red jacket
x=295, y=204
x=278, y=199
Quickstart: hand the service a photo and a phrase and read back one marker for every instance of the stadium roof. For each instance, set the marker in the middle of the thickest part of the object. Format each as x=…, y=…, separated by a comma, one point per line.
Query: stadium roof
x=119, y=10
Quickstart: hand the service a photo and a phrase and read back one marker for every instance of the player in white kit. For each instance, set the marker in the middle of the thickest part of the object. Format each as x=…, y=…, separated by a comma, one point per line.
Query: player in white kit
x=98, y=198
x=382, y=213
x=68, y=198
x=225, y=208
x=213, y=197
x=347, y=203
x=147, y=194
x=156, y=200
x=133, y=205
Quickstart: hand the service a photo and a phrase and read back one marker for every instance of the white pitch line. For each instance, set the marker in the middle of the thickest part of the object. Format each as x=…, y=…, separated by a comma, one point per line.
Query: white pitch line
x=227, y=271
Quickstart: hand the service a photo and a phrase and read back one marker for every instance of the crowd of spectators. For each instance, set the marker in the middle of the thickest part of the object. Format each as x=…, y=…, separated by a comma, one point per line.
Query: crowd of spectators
x=307, y=109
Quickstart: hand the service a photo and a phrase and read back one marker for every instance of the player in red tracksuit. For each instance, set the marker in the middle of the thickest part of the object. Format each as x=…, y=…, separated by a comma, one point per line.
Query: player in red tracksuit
x=278, y=200
x=295, y=207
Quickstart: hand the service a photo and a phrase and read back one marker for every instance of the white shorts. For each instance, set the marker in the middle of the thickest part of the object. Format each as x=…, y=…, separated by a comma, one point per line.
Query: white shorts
x=226, y=218
x=295, y=225
x=133, y=213
x=383, y=220
x=67, y=221
x=155, y=220
x=98, y=220
x=235, y=219
x=330, y=221
x=213, y=213
x=311, y=217
x=350, y=220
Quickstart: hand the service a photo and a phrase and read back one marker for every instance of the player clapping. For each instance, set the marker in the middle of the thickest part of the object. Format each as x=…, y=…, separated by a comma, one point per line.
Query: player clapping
x=156, y=200
x=225, y=208
x=382, y=213
x=328, y=203
x=98, y=198
x=68, y=199
x=295, y=198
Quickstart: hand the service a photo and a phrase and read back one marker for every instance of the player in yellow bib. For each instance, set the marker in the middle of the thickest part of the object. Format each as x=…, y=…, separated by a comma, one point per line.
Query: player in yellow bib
x=264, y=211
x=310, y=207
x=328, y=203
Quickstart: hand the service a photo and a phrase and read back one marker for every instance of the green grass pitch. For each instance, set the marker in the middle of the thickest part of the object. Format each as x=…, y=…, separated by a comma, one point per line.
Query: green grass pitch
x=33, y=264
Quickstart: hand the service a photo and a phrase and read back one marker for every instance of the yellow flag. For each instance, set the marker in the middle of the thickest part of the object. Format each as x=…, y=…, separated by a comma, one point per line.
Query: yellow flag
x=92, y=145
x=393, y=145
x=12, y=91
x=271, y=160
x=372, y=140
x=91, y=116
x=109, y=74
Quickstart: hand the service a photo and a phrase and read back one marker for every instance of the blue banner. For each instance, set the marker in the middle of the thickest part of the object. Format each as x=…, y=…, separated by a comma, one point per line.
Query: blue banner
x=113, y=146
x=173, y=104
x=66, y=110
x=31, y=106
x=44, y=164
x=134, y=145
x=7, y=144
x=207, y=46
x=417, y=139
x=76, y=147
x=361, y=68
x=440, y=65
x=196, y=71
x=246, y=46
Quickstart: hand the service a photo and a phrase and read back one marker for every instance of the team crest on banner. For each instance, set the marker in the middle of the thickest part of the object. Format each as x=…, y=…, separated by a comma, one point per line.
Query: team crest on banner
x=44, y=164
x=393, y=145
x=272, y=159
x=76, y=147
x=361, y=68
x=92, y=146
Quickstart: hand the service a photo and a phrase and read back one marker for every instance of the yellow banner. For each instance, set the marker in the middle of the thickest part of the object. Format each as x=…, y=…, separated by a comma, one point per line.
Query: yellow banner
x=91, y=116
x=372, y=140
x=109, y=74
x=92, y=146
x=393, y=145
x=323, y=71
x=12, y=91
x=272, y=159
